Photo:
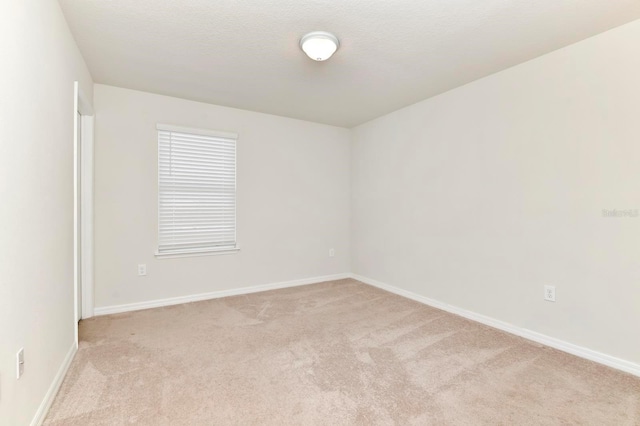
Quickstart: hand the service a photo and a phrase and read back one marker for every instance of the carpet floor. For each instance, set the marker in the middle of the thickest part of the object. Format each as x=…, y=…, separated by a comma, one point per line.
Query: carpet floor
x=334, y=353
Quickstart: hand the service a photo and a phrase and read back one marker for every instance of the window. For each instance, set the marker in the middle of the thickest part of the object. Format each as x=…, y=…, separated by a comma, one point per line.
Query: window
x=196, y=191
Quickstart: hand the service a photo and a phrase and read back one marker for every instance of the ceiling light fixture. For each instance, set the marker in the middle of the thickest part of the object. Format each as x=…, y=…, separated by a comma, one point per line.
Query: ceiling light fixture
x=319, y=45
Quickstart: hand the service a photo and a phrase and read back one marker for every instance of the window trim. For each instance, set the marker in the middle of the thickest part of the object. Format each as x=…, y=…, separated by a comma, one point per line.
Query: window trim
x=195, y=131
x=198, y=252
x=208, y=251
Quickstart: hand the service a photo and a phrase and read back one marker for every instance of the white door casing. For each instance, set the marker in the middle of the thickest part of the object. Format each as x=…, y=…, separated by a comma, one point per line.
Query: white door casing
x=83, y=207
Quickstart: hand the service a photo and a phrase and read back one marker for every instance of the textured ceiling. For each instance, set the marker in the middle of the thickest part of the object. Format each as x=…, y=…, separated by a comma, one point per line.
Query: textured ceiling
x=393, y=53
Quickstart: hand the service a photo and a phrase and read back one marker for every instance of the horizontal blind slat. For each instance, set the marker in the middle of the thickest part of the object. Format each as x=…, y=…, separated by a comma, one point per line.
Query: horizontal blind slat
x=193, y=209
x=187, y=148
x=194, y=217
x=195, y=247
x=199, y=240
x=177, y=136
x=197, y=175
x=179, y=159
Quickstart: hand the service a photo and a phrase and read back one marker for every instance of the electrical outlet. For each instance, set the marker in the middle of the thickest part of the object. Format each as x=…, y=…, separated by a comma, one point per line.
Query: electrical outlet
x=20, y=363
x=142, y=269
x=332, y=252
x=550, y=293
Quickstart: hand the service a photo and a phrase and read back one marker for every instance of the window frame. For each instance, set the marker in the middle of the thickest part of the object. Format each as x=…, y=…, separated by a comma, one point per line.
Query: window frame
x=200, y=251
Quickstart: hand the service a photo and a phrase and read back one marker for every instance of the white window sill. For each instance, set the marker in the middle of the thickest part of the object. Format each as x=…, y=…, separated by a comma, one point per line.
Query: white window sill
x=194, y=253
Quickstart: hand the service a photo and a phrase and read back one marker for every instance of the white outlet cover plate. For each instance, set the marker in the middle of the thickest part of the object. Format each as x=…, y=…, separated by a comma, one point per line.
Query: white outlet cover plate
x=550, y=293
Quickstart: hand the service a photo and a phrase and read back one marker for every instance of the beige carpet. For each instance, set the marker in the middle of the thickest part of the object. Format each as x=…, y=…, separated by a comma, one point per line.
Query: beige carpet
x=335, y=353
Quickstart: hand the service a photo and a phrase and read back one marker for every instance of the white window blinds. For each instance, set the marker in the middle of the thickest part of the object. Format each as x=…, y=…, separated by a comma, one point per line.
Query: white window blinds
x=197, y=190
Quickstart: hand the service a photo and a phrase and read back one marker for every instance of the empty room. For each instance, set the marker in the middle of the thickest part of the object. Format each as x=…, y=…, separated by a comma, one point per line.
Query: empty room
x=290, y=212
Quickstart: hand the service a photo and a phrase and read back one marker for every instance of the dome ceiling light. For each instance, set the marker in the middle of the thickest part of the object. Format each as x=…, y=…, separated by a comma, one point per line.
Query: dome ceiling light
x=319, y=45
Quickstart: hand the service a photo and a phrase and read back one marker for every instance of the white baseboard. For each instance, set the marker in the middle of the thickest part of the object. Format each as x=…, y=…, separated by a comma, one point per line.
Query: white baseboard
x=582, y=352
x=43, y=409
x=106, y=310
x=608, y=360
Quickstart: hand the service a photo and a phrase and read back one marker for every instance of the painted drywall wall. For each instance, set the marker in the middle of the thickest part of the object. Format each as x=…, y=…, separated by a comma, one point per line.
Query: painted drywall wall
x=481, y=196
x=40, y=62
x=293, y=199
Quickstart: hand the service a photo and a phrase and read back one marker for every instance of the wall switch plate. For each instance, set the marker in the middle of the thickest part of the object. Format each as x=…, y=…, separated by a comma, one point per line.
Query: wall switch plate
x=20, y=363
x=550, y=293
x=332, y=252
x=142, y=269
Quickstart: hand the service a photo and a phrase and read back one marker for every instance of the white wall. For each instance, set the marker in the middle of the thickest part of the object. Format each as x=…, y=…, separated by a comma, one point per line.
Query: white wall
x=40, y=62
x=476, y=198
x=480, y=196
x=293, y=199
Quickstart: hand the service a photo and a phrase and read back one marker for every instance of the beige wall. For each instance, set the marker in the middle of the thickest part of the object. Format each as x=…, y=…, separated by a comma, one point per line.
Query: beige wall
x=293, y=199
x=40, y=62
x=480, y=196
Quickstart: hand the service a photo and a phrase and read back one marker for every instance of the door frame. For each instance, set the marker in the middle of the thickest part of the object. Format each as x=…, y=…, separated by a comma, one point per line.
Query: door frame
x=85, y=178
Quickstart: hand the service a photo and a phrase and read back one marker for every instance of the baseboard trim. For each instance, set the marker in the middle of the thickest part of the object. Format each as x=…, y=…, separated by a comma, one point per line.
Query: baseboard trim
x=552, y=342
x=107, y=310
x=43, y=409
